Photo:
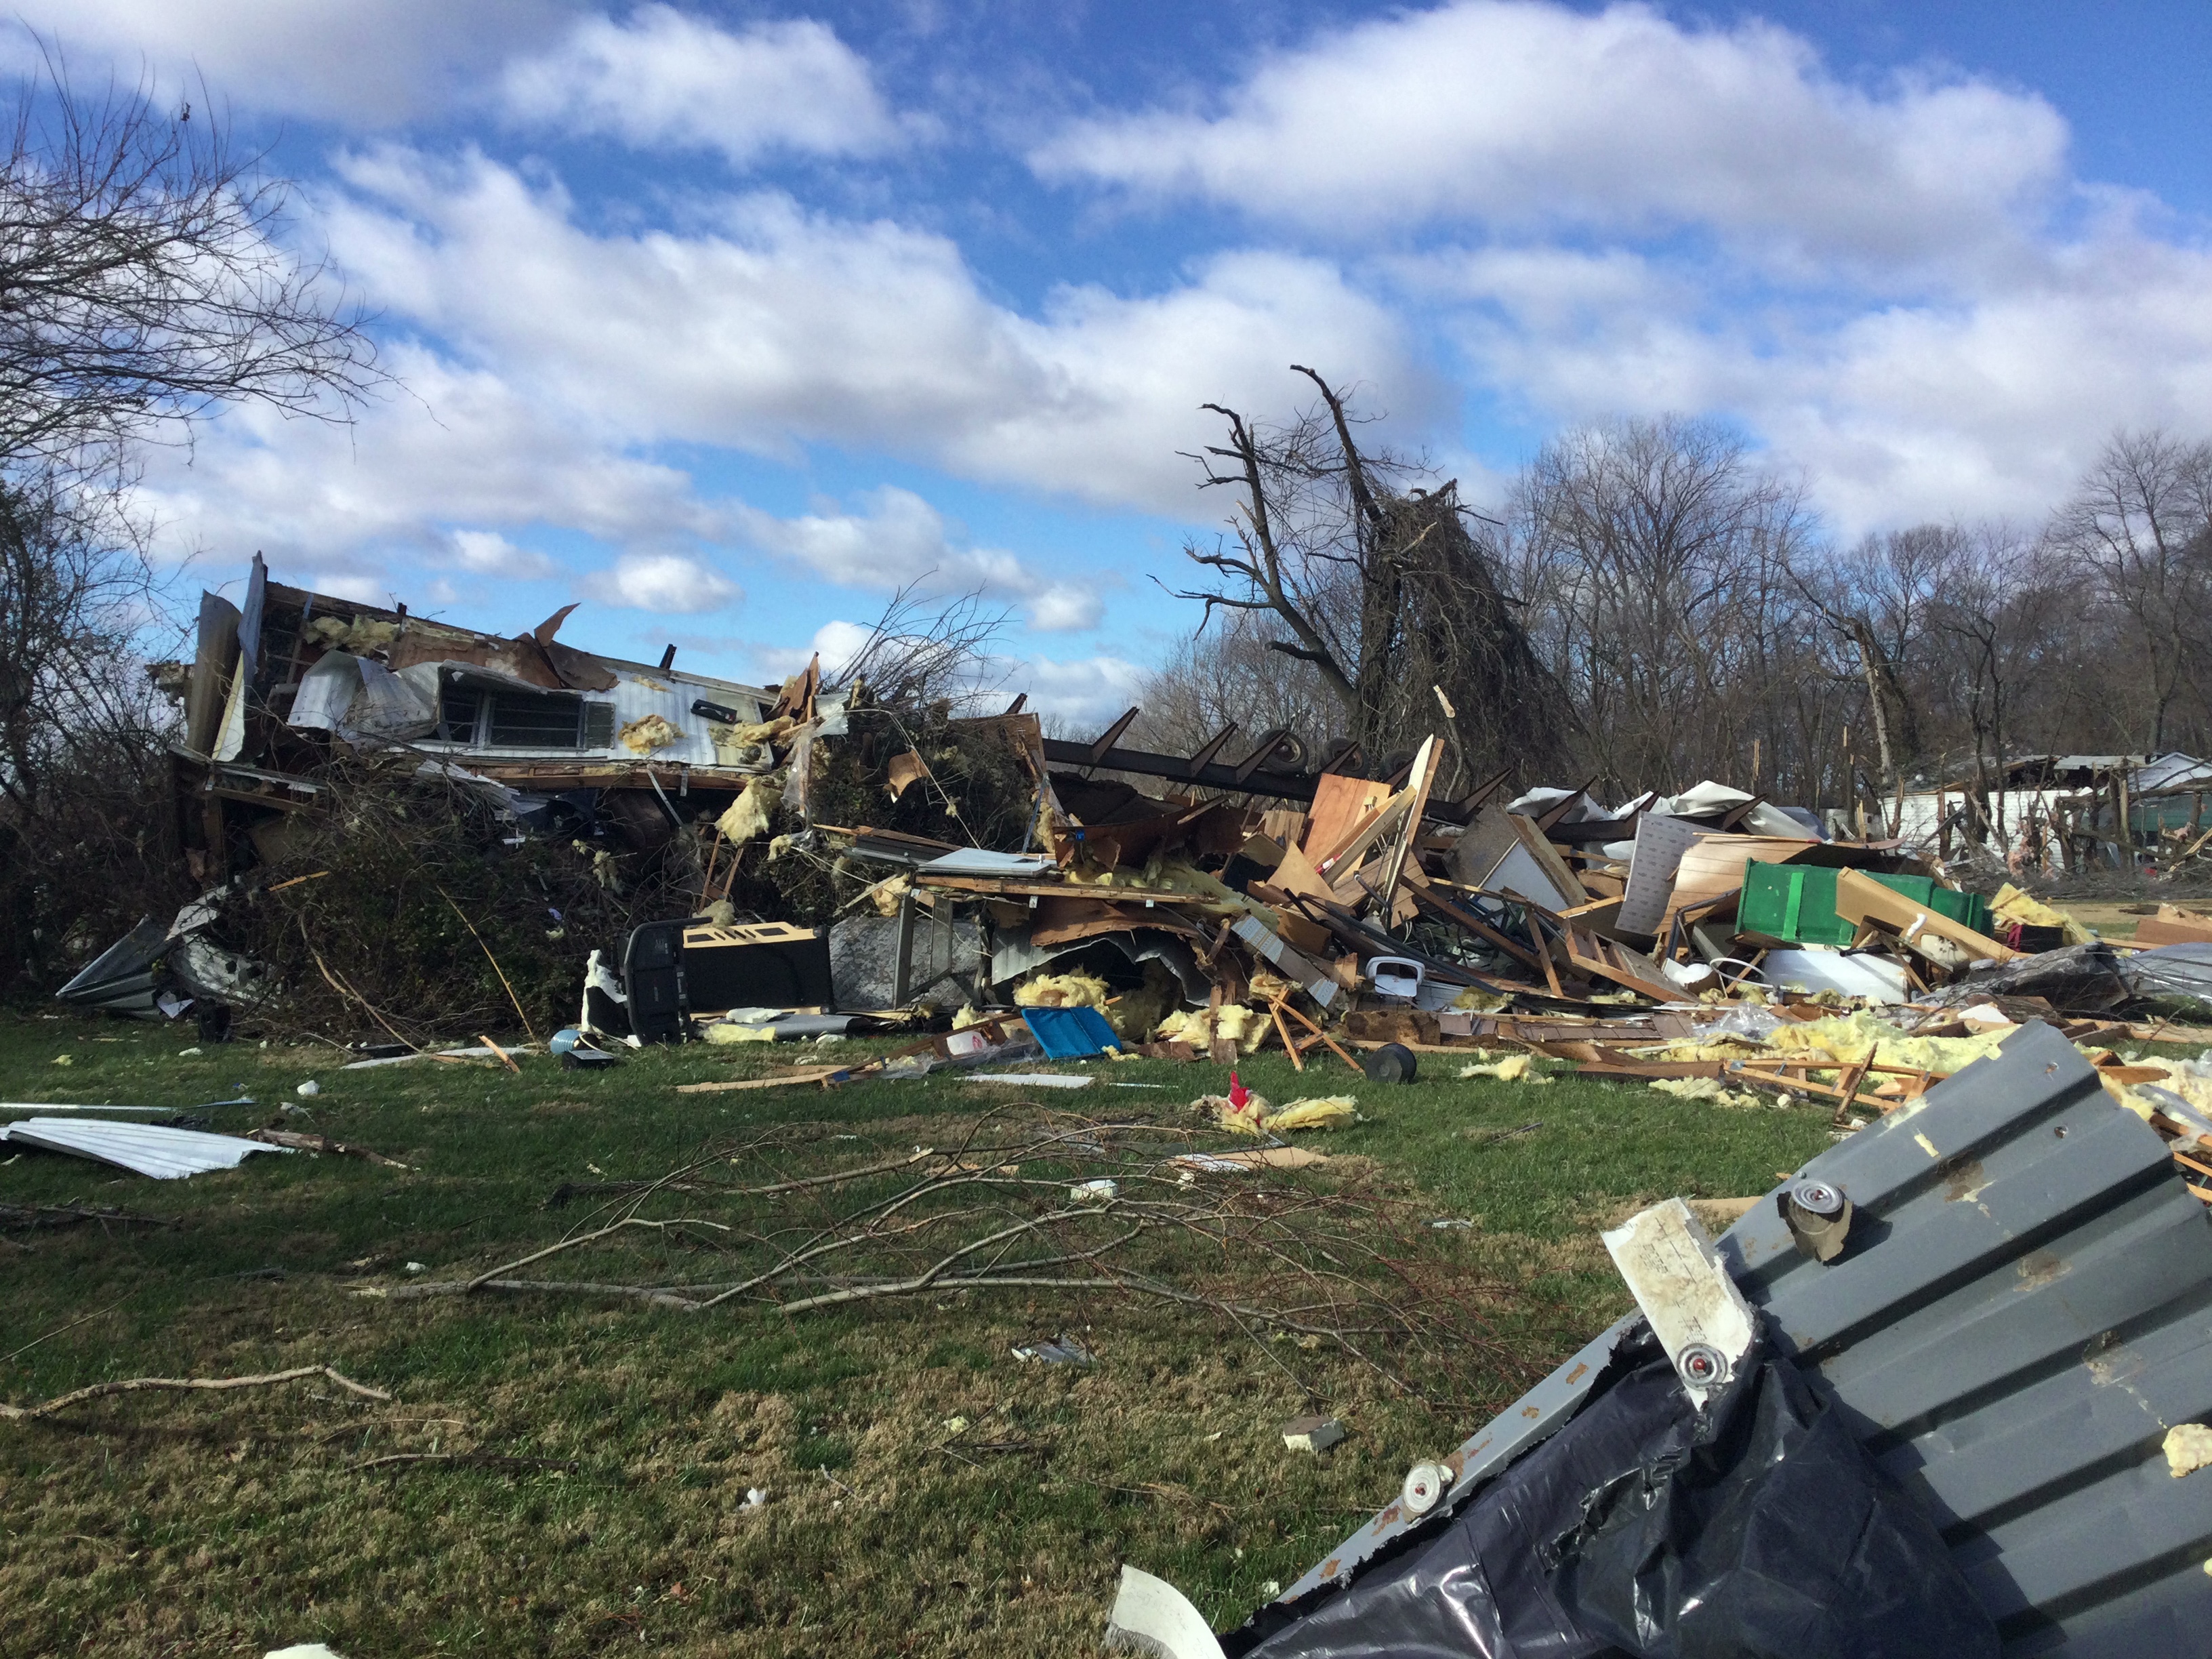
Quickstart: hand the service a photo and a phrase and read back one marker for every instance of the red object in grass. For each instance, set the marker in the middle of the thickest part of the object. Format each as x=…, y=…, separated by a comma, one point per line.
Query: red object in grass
x=1238, y=1094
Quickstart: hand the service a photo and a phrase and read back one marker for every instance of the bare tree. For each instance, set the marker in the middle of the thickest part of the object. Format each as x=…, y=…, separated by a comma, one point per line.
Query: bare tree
x=2005, y=609
x=2141, y=525
x=1658, y=556
x=1232, y=672
x=1384, y=593
x=915, y=656
x=1876, y=599
x=144, y=280
x=81, y=730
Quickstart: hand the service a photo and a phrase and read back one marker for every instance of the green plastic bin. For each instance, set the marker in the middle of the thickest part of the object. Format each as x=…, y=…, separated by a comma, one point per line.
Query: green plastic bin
x=1797, y=902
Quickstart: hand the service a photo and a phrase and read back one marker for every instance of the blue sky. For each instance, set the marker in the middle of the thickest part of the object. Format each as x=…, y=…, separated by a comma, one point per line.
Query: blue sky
x=726, y=319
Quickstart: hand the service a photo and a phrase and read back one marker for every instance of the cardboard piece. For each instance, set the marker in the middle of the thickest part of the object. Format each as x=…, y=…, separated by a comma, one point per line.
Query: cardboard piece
x=2174, y=925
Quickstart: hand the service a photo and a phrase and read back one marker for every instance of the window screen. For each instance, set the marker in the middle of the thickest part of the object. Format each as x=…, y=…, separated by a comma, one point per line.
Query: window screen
x=522, y=722
x=598, y=725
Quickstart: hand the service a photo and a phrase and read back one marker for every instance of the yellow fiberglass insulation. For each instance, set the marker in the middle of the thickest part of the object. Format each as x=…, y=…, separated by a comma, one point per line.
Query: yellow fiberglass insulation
x=766, y=732
x=1245, y=1027
x=1244, y=1120
x=354, y=634
x=2011, y=904
x=1257, y=1117
x=1074, y=990
x=1848, y=1040
x=1705, y=1088
x=886, y=894
x=651, y=732
x=1514, y=1068
x=748, y=815
x=1320, y=1112
x=2191, y=1079
x=1134, y=1013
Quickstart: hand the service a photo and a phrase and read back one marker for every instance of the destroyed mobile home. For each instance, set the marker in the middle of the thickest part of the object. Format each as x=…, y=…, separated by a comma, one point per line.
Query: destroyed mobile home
x=652, y=856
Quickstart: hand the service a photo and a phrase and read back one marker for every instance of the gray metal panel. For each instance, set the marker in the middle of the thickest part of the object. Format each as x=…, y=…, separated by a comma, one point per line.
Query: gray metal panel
x=2024, y=1309
x=164, y=1154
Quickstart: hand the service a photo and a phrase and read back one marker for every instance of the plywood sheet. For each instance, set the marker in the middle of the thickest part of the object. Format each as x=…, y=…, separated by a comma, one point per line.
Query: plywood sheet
x=1339, y=805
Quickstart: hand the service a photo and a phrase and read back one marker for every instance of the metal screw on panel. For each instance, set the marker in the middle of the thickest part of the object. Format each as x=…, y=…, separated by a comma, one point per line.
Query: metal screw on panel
x=1817, y=1196
x=1702, y=1365
x=1425, y=1485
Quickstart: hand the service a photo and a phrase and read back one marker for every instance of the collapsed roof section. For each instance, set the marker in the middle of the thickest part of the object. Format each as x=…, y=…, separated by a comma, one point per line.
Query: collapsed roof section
x=274, y=683
x=292, y=663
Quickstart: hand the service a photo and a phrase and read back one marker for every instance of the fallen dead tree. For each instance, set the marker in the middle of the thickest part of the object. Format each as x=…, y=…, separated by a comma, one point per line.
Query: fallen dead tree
x=1023, y=1200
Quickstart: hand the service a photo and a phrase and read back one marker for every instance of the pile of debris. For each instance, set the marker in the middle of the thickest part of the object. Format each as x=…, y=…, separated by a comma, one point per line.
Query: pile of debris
x=799, y=861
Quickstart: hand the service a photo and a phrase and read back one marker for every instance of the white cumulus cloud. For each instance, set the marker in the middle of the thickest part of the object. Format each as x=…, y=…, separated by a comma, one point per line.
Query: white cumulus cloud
x=1523, y=113
x=670, y=583
x=365, y=63
x=901, y=541
x=775, y=326
x=1087, y=692
x=487, y=553
x=660, y=79
x=459, y=447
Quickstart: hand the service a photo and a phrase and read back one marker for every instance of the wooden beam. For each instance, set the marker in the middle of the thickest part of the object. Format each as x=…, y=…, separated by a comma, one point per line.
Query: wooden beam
x=1363, y=834
x=1283, y=1031
x=1323, y=1037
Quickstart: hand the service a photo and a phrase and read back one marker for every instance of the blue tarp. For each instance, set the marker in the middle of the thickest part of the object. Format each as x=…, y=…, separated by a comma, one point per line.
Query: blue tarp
x=1070, y=1033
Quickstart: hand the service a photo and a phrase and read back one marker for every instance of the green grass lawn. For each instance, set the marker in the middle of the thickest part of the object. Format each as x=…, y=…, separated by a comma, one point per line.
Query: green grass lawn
x=218, y=1524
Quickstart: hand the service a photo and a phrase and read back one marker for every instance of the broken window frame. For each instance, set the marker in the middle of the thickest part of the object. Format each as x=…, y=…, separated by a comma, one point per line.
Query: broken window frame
x=593, y=727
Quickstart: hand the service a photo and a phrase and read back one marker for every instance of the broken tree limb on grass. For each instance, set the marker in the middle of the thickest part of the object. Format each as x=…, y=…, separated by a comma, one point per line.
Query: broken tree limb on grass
x=185, y=1384
x=307, y=1143
x=987, y=1211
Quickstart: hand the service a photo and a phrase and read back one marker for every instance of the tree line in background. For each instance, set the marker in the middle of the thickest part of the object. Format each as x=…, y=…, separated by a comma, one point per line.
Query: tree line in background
x=145, y=281
x=1653, y=605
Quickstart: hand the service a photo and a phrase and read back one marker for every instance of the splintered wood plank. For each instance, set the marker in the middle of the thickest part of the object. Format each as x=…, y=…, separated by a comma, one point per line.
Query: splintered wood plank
x=1428, y=765
x=1631, y=970
x=1861, y=899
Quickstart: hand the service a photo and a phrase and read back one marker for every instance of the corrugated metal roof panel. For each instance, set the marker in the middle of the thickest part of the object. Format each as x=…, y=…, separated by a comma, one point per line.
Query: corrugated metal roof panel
x=2024, y=1310
x=2027, y=1314
x=164, y=1154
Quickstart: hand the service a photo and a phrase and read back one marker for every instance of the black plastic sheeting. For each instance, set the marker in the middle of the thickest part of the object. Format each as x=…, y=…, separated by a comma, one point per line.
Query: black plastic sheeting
x=1759, y=1529
x=2083, y=979
x=2094, y=978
